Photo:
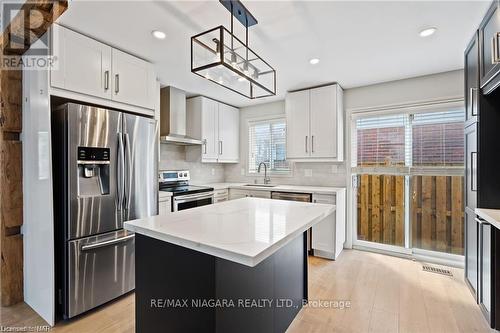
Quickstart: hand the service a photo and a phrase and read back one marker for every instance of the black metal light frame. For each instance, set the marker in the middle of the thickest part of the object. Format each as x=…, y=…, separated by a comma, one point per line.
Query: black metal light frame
x=245, y=17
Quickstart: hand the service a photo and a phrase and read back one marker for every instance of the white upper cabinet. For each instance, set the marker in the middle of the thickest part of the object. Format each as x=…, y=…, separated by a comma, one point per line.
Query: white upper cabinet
x=209, y=129
x=217, y=125
x=82, y=64
x=297, y=124
x=86, y=66
x=133, y=80
x=315, y=124
x=229, y=134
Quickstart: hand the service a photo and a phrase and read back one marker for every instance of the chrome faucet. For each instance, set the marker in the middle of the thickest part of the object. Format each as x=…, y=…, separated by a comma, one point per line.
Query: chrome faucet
x=267, y=180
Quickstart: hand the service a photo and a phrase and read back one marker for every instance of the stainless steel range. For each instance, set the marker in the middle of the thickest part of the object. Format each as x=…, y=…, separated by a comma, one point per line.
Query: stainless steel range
x=184, y=196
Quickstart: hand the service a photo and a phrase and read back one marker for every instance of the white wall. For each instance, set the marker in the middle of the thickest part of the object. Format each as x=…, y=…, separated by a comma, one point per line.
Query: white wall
x=328, y=174
x=173, y=157
x=427, y=88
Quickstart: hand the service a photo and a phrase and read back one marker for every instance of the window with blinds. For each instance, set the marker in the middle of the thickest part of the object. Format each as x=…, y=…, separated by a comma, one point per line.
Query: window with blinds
x=430, y=139
x=267, y=143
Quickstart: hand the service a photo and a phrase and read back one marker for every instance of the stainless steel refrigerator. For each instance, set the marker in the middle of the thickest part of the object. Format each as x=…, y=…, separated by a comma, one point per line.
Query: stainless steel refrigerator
x=104, y=173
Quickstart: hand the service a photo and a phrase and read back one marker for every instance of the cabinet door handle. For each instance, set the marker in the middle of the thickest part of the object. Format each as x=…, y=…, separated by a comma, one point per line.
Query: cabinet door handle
x=472, y=96
x=220, y=147
x=306, y=143
x=205, y=145
x=312, y=143
x=117, y=83
x=473, y=167
x=495, y=56
x=106, y=80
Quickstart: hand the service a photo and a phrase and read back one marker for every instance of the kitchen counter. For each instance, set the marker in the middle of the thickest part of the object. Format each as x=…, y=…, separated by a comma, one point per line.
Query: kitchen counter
x=245, y=231
x=237, y=266
x=490, y=215
x=278, y=188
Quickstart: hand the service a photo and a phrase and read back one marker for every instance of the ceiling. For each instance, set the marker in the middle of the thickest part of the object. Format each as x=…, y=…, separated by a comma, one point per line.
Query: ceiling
x=358, y=43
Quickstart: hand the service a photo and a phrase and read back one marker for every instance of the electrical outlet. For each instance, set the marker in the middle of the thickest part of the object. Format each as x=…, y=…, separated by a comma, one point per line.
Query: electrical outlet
x=213, y=172
x=334, y=168
x=308, y=173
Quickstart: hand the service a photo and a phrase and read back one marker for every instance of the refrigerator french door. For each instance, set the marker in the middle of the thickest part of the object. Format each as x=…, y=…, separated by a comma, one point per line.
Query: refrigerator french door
x=104, y=171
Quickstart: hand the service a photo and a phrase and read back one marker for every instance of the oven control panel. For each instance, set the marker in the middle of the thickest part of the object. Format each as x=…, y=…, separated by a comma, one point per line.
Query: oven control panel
x=173, y=176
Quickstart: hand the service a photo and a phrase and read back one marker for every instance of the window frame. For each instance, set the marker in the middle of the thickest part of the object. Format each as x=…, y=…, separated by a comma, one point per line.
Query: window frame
x=408, y=168
x=264, y=119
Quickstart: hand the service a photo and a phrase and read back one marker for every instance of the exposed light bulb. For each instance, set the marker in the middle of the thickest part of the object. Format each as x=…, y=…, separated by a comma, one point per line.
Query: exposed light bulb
x=242, y=79
x=314, y=61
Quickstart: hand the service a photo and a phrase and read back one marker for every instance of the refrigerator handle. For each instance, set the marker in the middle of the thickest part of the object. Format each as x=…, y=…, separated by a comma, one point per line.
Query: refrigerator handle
x=128, y=165
x=120, y=168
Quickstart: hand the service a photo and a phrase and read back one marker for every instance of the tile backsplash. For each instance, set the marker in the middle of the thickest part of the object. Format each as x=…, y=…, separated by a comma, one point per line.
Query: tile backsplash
x=316, y=174
x=173, y=157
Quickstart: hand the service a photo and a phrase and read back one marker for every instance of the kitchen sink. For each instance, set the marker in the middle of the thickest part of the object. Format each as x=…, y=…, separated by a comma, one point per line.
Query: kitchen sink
x=260, y=185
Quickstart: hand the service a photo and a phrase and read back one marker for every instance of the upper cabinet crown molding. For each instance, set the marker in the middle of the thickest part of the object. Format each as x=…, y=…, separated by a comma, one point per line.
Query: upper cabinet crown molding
x=315, y=124
x=217, y=125
x=86, y=66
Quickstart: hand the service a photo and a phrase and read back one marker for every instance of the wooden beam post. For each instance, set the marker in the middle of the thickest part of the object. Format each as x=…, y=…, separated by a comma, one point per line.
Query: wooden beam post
x=31, y=22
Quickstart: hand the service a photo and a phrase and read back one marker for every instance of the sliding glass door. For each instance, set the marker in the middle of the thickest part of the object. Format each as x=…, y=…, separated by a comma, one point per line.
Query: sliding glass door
x=408, y=180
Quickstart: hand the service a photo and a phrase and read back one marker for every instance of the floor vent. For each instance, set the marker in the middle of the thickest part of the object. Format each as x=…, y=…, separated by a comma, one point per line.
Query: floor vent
x=427, y=268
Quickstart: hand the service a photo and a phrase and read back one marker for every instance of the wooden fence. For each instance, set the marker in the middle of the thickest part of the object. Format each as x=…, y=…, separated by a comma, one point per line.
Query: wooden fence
x=437, y=217
x=381, y=209
x=436, y=211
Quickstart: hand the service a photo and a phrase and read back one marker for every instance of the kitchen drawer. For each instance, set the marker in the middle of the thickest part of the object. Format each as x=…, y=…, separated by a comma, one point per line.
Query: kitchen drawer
x=221, y=193
x=237, y=193
x=324, y=198
x=220, y=199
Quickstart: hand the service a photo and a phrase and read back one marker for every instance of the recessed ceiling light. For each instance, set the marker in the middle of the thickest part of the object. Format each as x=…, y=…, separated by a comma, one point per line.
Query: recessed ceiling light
x=158, y=34
x=314, y=61
x=427, y=32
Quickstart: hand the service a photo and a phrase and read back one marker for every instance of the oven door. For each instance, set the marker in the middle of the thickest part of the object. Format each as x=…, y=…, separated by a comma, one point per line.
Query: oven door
x=192, y=200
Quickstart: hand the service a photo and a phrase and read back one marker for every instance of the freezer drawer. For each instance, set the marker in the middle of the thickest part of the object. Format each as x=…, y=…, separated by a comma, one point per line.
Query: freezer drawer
x=100, y=268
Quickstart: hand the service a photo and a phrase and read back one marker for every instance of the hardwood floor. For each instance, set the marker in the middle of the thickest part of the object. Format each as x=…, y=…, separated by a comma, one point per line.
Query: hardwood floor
x=386, y=294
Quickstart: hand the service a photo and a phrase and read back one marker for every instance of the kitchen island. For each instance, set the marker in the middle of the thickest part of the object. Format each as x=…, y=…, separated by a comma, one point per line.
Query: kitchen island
x=236, y=266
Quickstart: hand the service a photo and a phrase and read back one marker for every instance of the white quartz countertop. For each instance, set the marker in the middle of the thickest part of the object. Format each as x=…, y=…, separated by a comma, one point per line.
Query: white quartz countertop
x=490, y=215
x=279, y=188
x=245, y=231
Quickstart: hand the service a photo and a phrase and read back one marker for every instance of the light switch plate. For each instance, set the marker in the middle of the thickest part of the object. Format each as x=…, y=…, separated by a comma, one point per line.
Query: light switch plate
x=308, y=173
x=213, y=172
x=242, y=171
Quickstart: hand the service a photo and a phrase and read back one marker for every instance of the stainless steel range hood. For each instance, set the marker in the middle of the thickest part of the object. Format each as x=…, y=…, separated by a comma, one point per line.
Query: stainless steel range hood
x=173, y=118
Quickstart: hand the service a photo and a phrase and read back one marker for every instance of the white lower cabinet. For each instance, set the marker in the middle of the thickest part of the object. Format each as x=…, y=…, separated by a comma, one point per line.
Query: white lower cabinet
x=221, y=195
x=239, y=193
x=164, y=205
x=328, y=236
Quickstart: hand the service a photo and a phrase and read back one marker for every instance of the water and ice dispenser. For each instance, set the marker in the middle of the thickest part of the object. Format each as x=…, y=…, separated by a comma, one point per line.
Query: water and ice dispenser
x=93, y=171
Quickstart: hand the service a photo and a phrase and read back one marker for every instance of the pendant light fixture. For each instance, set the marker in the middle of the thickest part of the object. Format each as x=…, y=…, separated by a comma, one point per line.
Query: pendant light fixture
x=219, y=56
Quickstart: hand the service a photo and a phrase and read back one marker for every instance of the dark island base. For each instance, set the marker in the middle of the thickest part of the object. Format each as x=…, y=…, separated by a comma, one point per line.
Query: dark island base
x=181, y=290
